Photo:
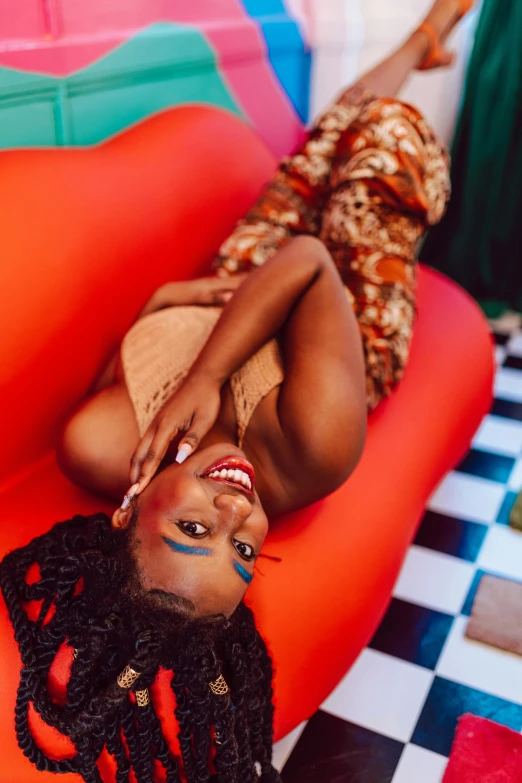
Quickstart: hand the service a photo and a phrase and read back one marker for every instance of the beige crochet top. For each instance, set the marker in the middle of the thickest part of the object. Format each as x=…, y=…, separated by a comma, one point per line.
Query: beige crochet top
x=158, y=351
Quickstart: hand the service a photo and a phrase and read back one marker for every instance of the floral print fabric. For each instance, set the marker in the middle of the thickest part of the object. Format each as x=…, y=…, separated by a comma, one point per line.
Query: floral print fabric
x=368, y=181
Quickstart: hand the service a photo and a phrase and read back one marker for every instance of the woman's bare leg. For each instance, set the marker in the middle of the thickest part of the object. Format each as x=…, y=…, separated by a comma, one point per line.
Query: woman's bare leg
x=387, y=78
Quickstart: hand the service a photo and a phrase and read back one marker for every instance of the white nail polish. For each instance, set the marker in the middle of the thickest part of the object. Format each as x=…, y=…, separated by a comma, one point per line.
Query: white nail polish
x=129, y=496
x=184, y=451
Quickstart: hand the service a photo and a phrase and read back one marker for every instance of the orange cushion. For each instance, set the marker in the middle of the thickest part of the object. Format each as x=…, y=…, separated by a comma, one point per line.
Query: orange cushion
x=88, y=235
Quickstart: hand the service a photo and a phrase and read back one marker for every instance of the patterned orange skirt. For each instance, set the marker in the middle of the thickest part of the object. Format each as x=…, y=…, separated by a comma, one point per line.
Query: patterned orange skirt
x=369, y=180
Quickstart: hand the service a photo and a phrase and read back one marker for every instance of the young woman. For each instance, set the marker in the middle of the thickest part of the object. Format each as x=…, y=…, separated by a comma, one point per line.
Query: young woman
x=233, y=399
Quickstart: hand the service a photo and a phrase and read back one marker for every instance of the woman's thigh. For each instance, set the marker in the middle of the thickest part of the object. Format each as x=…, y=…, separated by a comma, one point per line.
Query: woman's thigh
x=98, y=441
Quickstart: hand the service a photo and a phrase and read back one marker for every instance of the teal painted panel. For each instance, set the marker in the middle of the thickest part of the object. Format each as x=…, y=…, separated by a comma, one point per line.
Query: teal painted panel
x=28, y=105
x=29, y=123
x=14, y=82
x=98, y=113
x=164, y=65
x=159, y=45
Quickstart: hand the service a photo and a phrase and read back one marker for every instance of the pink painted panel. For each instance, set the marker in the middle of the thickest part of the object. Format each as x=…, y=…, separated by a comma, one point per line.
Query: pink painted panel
x=204, y=10
x=61, y=57
x=87, y=31
x=21, y=19
x=267, y=103
x=98, y=17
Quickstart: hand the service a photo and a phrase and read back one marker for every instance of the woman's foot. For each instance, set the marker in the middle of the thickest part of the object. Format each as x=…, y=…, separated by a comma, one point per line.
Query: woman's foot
x=435, y=29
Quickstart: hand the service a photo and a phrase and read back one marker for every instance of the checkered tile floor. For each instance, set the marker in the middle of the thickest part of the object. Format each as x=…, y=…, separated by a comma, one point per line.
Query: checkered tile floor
x=393, y=717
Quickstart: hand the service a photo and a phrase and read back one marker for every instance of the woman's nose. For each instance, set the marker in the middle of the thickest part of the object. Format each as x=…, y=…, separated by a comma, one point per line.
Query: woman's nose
x=235, y=508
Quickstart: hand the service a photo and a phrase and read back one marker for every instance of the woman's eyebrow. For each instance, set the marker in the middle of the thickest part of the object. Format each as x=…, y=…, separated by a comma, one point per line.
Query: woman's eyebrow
x=245, y=575
x=186, y=549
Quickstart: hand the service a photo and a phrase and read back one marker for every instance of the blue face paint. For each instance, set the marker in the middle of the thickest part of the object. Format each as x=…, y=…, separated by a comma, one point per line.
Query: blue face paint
x=185, y=549
x=243, y=573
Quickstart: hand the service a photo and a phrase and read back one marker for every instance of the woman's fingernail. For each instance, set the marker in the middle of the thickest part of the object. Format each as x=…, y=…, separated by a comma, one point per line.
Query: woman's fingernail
x=129, y=496
x=227, y=296
x=183, y=452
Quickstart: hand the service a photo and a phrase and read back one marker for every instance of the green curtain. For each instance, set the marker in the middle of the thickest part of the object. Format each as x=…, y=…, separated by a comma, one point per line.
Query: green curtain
x=479, y=242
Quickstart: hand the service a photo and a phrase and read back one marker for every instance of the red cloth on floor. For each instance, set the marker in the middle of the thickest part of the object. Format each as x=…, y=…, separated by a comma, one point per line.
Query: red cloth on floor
x=484, y=752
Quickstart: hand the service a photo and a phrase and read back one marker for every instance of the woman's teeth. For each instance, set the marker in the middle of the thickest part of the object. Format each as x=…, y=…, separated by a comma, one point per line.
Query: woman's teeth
x=237, y=476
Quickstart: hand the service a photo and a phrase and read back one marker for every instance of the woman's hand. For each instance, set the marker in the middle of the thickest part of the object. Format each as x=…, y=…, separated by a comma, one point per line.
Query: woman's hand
x=190, y=412
x=210, y=291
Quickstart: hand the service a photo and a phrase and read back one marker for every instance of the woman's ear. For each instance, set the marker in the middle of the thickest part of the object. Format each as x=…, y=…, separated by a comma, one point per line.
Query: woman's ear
x=121, y=517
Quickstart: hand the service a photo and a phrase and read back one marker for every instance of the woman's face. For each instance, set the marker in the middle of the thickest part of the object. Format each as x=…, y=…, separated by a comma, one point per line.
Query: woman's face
x=199, y=529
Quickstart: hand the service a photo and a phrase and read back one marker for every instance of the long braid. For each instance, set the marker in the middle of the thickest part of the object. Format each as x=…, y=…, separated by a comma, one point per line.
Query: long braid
x=240, y=679
x=260, y=708
x=227, y=751
x=143, y=761
x=180, y=685
x=200, y=709
x=114, y=745
x=92, y=600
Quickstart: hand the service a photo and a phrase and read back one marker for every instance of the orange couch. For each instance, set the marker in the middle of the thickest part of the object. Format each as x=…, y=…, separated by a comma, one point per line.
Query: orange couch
x=86, y=235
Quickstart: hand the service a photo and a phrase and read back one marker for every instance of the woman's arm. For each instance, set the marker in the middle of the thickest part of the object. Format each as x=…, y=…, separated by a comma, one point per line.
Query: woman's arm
x=322, y=403
x=212, y=291
x=255, y=314
x=260, y=309
x=299, y=293
x=322, y=411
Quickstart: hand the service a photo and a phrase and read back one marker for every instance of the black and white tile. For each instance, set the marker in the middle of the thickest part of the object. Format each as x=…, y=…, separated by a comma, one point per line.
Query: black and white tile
x=393, y=717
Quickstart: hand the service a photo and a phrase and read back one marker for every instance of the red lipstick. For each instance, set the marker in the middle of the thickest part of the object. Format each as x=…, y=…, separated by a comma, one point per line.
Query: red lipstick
x=235, y=471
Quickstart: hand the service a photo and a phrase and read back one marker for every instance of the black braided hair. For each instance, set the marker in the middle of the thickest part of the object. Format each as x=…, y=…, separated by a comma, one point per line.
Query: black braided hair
x=92, y=600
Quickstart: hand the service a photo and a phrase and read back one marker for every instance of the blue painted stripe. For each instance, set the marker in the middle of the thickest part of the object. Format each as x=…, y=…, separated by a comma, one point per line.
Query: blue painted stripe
x=243, y=573
x=186, y=549
x=265, y=7
x=287, y=51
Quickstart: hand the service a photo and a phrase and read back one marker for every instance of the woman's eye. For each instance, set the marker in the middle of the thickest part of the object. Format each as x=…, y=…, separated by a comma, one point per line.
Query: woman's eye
x=194, y=529
x=245, y=550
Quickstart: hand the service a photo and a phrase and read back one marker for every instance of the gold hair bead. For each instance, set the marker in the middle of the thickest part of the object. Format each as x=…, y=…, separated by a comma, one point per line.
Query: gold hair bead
x=142, y=697
x=75, y=652
x=127, y=677
x=219, y=687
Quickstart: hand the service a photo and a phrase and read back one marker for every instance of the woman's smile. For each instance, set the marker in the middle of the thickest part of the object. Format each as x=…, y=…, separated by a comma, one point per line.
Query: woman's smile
x=234, y=471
